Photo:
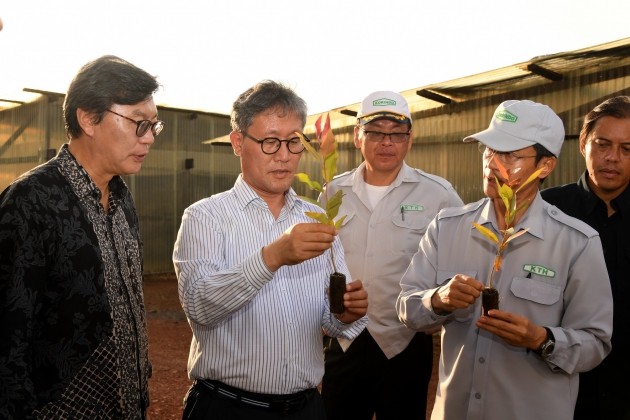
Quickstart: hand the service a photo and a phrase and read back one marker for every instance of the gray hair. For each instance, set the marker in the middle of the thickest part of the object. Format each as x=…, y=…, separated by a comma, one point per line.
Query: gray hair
x=266, y=95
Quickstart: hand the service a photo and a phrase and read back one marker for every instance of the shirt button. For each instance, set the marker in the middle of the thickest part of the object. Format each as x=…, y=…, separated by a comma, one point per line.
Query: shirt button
x=482, y=360
x=478, y=395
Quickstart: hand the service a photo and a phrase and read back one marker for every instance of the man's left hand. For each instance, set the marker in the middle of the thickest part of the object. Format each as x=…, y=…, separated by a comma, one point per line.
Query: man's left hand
x=515, y=329
x=355, y=300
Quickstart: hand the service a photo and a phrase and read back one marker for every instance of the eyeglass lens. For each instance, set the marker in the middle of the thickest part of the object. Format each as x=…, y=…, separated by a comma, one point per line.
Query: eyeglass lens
x=377, y=136
x=271, y=145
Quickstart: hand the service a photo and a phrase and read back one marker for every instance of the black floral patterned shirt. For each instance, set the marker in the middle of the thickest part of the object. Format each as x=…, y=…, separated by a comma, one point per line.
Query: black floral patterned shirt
x=73, y=336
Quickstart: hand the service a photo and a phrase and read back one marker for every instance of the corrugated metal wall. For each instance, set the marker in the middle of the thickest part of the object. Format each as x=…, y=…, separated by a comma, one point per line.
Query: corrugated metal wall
x=181, y=169
x=438, y=136
x=438, y=131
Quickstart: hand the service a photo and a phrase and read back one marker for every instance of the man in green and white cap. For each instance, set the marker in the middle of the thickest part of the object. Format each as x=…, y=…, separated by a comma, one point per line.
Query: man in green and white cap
x=386, y=370
x=520, y=361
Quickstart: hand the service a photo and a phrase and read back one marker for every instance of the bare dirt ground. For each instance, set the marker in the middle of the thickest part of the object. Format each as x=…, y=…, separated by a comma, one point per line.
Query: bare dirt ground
x=169, y=341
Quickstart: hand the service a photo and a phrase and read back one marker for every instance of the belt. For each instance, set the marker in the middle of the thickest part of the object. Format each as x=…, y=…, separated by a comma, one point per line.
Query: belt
x=284, y=404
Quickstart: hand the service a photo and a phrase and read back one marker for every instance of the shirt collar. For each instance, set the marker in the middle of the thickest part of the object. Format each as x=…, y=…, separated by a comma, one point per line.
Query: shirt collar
x=590, y=200
x=80, y=180
x=406, y=174
x=245, y=195
x=532, y=219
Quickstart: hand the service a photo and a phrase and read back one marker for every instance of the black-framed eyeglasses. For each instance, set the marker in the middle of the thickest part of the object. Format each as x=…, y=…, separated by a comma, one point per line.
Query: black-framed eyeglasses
x=271, y=145
x=509, y=158
x=378, y=136
x=144, y=125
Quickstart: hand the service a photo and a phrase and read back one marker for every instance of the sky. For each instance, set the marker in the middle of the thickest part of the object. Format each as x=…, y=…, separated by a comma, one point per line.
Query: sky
x=332, y=52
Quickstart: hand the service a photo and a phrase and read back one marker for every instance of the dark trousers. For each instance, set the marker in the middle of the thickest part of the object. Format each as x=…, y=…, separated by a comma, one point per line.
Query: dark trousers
x=362, y=381
x=201, y=404
x=604, y=393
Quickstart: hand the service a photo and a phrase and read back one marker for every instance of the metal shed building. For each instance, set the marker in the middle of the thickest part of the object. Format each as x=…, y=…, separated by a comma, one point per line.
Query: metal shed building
x=192, y=158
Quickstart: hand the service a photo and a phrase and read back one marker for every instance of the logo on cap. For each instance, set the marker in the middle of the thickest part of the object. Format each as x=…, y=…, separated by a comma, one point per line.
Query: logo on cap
x=506, y=116
x=383, y=102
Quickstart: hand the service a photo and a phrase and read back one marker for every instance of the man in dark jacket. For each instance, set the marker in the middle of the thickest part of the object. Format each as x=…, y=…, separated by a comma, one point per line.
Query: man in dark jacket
x=601, y=198
x=73, y=334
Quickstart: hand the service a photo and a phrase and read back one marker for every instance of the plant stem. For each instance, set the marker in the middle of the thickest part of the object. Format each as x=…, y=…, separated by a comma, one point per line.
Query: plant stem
x=491, y=275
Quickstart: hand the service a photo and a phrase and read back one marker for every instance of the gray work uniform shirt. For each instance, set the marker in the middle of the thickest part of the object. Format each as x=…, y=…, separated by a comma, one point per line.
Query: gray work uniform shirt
x=378, y=244
x=554, y=275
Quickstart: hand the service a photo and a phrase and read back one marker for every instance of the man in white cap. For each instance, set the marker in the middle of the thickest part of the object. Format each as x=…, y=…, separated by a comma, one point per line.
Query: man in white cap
x=388, y=206
x=521, y=361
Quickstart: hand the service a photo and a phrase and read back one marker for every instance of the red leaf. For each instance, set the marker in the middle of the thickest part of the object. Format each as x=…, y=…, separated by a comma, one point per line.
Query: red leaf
x=318, y=128
x=327, y=145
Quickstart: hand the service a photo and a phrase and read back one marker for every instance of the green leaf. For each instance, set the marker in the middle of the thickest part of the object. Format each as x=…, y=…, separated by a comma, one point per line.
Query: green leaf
x=516, y=235
x=332, y=206
x=530, y=179
x=330, y=164
x=509, y=201
x=312, y=201
x=486, y=232
x=320, y=217
x=313, y=185
x=308, y=147
x=339, y=222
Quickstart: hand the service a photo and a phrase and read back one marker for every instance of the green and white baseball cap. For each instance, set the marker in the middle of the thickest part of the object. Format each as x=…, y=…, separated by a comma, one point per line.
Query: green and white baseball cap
x=516, y=125
x=384, y=104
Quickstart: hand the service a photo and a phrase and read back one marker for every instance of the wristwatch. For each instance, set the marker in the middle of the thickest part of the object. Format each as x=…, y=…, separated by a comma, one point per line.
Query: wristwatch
x=546, y=348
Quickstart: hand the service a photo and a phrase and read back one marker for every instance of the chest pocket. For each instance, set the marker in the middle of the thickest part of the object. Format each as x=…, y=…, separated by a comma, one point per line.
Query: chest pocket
x=408, y=230
x=348, y=240
x=535, y=291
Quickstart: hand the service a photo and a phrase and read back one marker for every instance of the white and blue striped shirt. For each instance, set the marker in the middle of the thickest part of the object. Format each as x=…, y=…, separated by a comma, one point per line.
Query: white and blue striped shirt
x=253, y=329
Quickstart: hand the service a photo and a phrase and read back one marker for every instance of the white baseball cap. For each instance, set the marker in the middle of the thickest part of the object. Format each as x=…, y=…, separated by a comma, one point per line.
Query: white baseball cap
x=384, y=104
x=516, y=125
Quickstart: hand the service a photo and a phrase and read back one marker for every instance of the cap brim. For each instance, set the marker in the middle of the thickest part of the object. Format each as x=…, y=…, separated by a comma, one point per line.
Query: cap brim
x=499, y=141
x=384, y=116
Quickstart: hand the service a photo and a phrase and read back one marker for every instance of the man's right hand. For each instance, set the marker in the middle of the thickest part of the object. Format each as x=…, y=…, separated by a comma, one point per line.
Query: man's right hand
x=299, y=243
x=460, y=292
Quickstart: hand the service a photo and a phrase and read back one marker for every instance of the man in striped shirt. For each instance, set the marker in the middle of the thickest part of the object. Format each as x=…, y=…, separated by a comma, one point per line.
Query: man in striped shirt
x=252, y=272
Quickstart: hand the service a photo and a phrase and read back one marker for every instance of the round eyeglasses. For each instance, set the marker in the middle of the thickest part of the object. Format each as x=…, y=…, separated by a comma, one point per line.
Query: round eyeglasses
x=508, y=158
x=270, y=145
x=144, y=125
x=377, y=136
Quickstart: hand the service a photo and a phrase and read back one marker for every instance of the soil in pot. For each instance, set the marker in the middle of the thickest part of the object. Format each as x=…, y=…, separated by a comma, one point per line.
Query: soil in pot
x=336, y=290
x=489, y=299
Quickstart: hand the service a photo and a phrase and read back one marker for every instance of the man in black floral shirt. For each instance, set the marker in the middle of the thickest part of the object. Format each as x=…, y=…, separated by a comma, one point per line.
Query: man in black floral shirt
x=73, y=336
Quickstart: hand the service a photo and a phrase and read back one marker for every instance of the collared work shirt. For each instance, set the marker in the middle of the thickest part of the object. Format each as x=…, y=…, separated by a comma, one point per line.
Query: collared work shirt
x=73, y=336
x=379, y=243
x=254, y=329
x=554, y=275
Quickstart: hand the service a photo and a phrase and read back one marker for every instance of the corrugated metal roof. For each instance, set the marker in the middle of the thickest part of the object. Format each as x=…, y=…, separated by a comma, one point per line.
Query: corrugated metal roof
x=535, y=72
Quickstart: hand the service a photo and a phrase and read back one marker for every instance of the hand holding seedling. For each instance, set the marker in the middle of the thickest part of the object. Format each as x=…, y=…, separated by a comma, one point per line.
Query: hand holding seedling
x=327, y=157
x=490, y=298
x=355, y=302
x=515, y=329
x=459, y=293
x=299, y=243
